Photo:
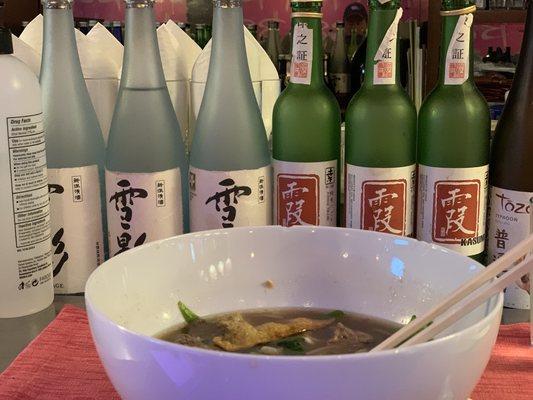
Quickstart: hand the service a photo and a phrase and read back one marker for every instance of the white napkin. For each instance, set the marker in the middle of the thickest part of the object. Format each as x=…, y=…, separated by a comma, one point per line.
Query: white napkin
x=178, y=52
x=265, y=79
x=101, y=60
x=32, y=35
x=27, y=55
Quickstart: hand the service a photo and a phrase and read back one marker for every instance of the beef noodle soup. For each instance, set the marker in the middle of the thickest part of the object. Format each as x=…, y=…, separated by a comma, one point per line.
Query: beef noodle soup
x=282, y=331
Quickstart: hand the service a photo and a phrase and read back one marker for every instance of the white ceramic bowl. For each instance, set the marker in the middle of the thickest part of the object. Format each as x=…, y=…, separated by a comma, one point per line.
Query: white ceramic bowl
x=134, y=296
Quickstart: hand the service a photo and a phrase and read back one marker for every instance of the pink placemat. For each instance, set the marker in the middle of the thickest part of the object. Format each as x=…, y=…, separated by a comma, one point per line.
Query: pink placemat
x=62, y=364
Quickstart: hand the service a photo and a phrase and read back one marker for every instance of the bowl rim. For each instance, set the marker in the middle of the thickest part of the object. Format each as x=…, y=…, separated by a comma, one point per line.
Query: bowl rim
x=92, y=309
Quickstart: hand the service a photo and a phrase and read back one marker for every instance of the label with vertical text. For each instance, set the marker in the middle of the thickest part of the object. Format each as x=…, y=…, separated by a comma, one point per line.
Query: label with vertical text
x=385, y=58
x=305, y=193
x=227, y=199
x=142, y=208
x=77, y=230
x=381, y=199
x=302, y=54
x=452, y=204
x=509, y=223
x=458, y=54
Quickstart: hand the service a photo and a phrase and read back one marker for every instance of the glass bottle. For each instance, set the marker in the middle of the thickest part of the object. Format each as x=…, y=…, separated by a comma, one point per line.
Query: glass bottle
x=273, y=46
x=453, y=144
x=75, y=152
x=26, y=269
x=339, y=69
x=200, y=35
x=511, y=178
x=146, y=166
x=306, y=131
x=381, y=135
x=357, y=66
x=352, y=47
x=117, y=31
x=230, y=173
x=253, y=29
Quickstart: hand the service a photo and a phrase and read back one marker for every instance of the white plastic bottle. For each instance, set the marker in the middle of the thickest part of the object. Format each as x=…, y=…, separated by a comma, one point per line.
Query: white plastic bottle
x=25, y=247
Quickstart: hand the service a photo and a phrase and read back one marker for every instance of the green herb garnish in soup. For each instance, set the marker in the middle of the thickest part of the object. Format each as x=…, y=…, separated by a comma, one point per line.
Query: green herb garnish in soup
x=281, y=331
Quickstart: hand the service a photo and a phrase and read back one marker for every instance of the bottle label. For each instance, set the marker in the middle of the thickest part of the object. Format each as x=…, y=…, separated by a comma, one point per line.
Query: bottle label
x=385, y=58
x=509, y=223
x=341, y=83
x=27, y=202
x=305, y=193
x=142, y=207
x=227, y=199
x=452, y=207
x=302, y=54
x=77, y=232
x=458, y=55
x=381, y=199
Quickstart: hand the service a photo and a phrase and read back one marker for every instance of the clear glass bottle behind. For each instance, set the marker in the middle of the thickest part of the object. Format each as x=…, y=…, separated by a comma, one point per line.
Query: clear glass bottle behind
x=453, y=144
x=339, y=69
x=273, y=46
x=306, y=131
x=230, y=174
x=511, y=179
x=146, y=166
x=381, y=135
x=75, y=152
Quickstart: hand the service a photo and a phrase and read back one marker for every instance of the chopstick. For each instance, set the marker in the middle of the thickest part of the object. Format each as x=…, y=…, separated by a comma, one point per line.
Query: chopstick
x=418, y=331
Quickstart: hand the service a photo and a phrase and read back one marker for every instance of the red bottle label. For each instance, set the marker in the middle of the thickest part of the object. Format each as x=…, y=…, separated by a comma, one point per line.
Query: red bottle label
x=456, y=211
x=298, y=199
x=383, y=206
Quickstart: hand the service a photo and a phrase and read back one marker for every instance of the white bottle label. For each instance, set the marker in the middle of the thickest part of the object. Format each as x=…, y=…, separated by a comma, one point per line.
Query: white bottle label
x=452, y=204
x=142, y=208
x=305, y=193
x=385, y=58
x=509, y=223
x=341, y=83
x=77, y=232
x=227, y=199
x=381, y=199
x=302, y=54
x=458, y=54
x=26, y=256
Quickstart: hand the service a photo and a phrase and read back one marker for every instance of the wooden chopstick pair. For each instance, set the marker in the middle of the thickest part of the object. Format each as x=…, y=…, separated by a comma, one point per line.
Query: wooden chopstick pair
x=496, y=277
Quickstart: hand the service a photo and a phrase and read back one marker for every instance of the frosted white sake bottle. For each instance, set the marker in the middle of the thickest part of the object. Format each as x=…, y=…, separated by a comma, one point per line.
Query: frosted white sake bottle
x=75, y=151
x=146, y=165
x=26, y=262
x=230, y=173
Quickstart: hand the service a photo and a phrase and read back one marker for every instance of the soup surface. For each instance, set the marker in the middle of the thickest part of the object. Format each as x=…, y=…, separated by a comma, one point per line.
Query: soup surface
x=282, y=331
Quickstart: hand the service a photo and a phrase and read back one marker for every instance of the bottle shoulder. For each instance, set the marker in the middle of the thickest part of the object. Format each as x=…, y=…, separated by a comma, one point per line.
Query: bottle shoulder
x=380, y=101
x=306, y=98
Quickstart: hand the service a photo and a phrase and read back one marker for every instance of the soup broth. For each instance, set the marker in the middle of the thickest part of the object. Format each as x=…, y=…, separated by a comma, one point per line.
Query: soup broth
x=282, y=331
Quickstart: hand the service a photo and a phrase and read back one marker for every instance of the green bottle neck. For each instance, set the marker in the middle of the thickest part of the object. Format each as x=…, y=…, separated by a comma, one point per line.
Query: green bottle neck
x=380, y=20
x=465, y=56
x=317, y=63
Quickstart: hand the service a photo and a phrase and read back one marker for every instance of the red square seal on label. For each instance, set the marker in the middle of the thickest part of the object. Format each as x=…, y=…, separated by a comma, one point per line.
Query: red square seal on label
x=457, y=70
x=383, y=207
x=298, y=199
x=300, y=69
x=456, y=211
x=384, y=69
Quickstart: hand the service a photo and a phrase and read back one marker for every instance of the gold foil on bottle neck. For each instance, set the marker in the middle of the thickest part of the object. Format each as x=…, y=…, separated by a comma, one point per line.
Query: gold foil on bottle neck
x=303, y=14
x=460, y=11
